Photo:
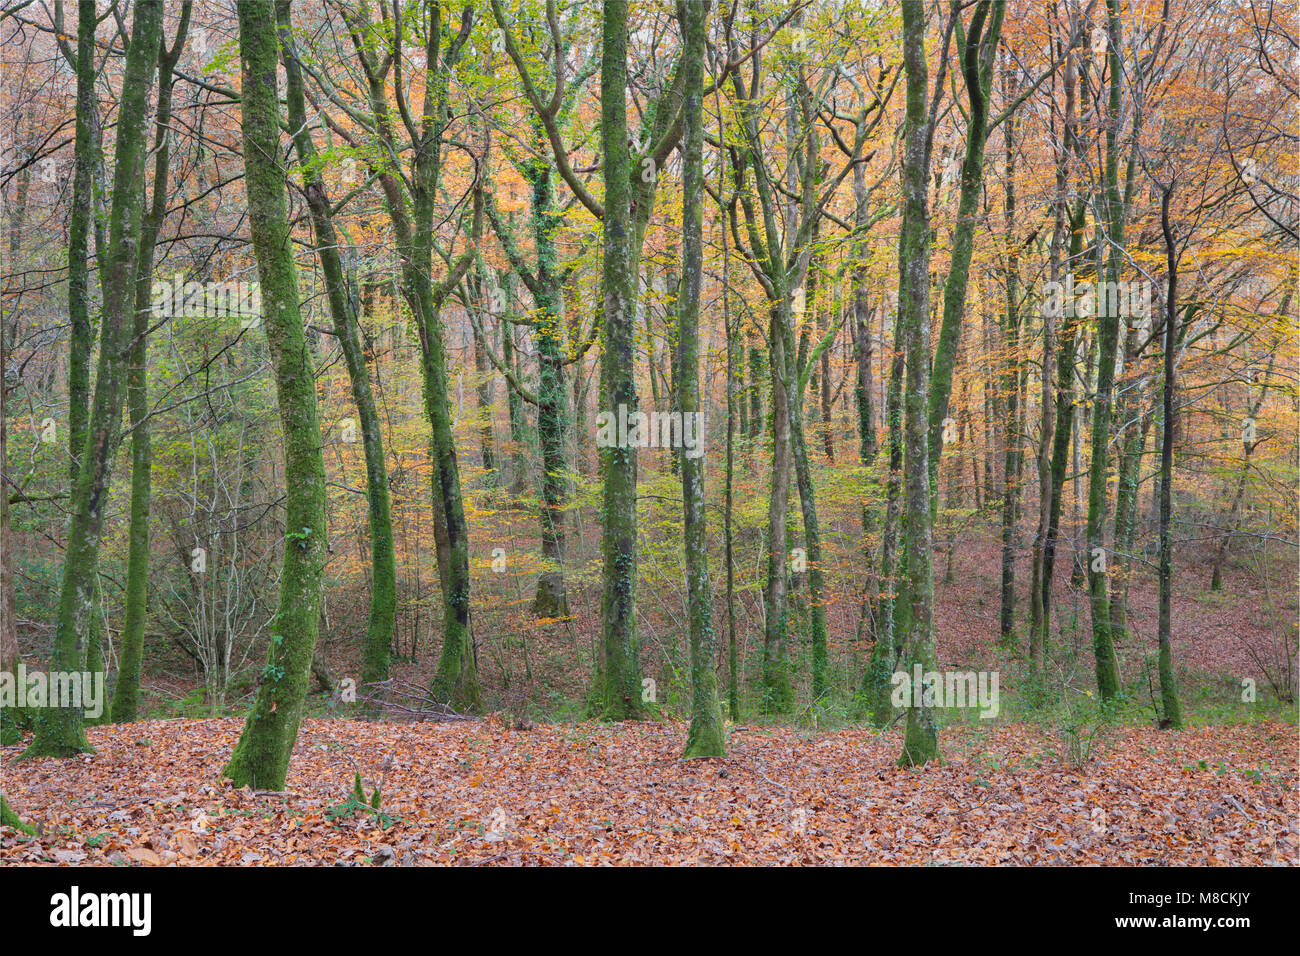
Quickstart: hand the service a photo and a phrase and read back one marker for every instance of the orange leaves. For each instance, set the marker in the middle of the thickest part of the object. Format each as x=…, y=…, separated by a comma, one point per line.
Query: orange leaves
x=477, y=793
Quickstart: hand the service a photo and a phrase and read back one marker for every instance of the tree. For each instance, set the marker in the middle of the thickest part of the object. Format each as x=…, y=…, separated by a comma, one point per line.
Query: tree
x=261, y=758
x=619, y=688
x=343, y=313
x=87, y=176
x=413, y=220
x=921, y=739
x=781, y=228
x=126, y=691
x=1173, y=713
x=705, y=737
x=1108, y=258
x=59, y=730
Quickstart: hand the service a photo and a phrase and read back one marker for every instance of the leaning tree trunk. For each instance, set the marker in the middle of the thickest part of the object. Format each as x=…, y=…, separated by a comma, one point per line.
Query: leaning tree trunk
x=59, y=731
x=261, y=758
x=981, y=43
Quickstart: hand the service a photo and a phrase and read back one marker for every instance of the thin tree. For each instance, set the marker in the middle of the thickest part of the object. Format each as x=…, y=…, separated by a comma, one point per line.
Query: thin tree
x=921, y=739
x=59, y=730
x=126, y=692
x=1173, y=712
x=1109, y=254
x=343, y=313
x=705, y=737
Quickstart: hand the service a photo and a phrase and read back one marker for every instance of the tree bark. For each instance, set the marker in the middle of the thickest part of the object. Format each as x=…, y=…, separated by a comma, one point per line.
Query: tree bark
x=921, y=737
x=126, y=692
x=261, y=758
x=706, y=737
x=1173, y=712
x=343, y=313
x=59, y=730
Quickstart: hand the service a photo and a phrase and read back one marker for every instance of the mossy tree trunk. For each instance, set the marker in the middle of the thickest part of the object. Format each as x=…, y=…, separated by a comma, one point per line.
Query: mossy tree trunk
x=346, y=322
x=9, y=656
x=1011, y=459
x=10, y=818
x=87, y=161
x=977, y=47
x=456, y=682
x=706, y=736
x=863, y=394
x=261, y=758
x=1108, y=685
x=544, y=280
x=921, y=738
x=631, y=181
x=779, y=258
x=1063, y=423
x=126, y=692
x=620, y=685
x=885, y=652
x=59, y=731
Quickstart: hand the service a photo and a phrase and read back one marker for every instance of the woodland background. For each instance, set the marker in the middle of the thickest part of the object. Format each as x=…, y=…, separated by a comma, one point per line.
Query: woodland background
x=843, y=262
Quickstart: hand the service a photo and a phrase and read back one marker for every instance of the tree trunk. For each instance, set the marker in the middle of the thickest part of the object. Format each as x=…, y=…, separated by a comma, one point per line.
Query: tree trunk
x=343, y=313
x=886, y=650
x=59, y=731
x=9, y=656
x=261, y=758
x=1064, y=425
x=921, y=738
x=706, y=735
x=1108, y=341
x=87, y=160
x=981, y=44
x=619, y=688
x=1011, y=397
x=126, y=691
x=1173, y=712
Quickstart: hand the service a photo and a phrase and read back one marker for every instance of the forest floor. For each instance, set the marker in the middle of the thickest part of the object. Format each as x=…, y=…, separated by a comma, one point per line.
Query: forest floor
x=477, y=792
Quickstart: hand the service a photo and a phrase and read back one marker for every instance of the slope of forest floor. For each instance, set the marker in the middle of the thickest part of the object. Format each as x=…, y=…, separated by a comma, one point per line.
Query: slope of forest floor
x=478, y=792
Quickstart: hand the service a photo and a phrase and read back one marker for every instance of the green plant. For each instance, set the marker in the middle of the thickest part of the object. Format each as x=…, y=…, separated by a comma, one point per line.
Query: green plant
x=357, y=803
x=1082, y=731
